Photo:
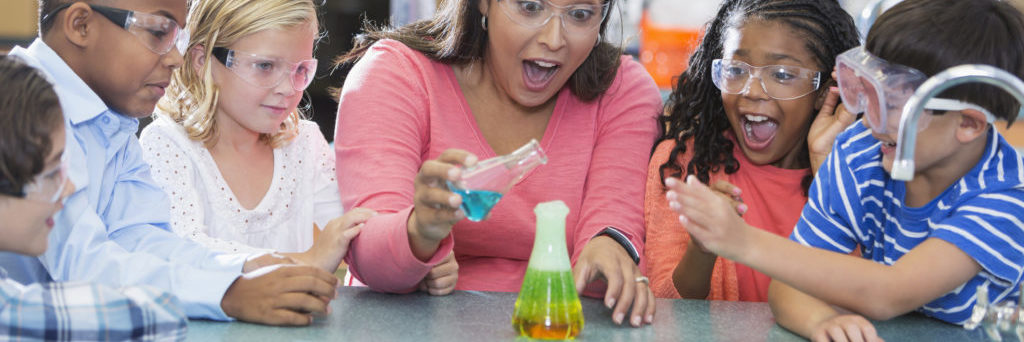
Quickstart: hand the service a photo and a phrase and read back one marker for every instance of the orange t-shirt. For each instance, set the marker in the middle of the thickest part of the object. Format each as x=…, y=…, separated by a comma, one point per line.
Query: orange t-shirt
x=774, y=197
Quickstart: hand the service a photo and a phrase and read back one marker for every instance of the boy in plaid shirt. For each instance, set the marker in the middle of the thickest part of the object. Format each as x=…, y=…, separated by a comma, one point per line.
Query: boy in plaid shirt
x=33, y=185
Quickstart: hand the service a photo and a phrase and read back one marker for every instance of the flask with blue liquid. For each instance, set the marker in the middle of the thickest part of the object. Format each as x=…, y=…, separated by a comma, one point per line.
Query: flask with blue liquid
x=483, y=184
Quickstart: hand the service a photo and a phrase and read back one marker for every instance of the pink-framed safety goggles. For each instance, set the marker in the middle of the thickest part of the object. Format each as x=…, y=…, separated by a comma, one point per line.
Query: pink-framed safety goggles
x=879, y=90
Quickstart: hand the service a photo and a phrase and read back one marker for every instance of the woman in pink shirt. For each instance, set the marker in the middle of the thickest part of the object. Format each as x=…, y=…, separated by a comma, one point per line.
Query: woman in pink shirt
x=479, y=80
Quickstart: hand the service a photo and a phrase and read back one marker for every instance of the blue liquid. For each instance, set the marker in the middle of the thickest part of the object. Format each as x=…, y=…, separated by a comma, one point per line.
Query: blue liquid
x=476, y=203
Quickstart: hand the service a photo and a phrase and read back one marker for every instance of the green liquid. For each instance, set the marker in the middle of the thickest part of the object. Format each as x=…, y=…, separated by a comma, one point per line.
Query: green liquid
x=548, y=306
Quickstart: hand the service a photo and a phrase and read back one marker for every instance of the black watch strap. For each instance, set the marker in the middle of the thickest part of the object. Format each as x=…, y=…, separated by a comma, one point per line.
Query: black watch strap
x=621, y=238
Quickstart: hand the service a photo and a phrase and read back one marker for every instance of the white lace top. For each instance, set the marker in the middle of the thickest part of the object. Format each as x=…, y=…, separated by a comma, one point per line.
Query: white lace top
x=304, y=191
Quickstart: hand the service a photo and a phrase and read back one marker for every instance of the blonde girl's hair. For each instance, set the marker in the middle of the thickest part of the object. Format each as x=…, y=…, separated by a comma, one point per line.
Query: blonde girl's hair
x=191, y=98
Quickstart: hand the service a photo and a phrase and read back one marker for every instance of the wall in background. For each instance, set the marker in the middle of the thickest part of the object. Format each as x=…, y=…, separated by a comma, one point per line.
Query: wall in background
x=17, y=22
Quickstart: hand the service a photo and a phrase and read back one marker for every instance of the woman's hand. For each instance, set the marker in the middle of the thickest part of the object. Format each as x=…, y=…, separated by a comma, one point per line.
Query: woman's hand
x=441, y=279
x=331, y=245
x=831, y=120
x=602, y=257
x=852, y=328
x=436, y=209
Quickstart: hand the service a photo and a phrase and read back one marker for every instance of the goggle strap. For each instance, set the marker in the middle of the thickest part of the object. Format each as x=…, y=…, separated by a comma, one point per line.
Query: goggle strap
x=224, y=55
x=956, y=105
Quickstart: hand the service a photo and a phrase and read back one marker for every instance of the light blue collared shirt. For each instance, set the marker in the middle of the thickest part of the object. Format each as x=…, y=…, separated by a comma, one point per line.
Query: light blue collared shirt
x=114, y=229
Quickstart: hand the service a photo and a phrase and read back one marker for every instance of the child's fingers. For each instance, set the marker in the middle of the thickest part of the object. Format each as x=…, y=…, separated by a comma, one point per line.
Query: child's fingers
x=351, y=233
x=727, y=189
x=837, y=334
x=844, y=117
x=831, y=100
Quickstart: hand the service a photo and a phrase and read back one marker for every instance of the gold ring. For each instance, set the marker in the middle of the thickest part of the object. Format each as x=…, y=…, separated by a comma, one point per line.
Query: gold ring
x=643, y=279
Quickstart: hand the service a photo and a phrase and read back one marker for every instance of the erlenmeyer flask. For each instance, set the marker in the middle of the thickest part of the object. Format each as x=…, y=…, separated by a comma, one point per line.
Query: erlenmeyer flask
x=548, y=306
x=483, y=184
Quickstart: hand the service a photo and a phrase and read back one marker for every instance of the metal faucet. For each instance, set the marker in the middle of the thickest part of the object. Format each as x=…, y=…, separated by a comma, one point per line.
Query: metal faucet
x=903, y=165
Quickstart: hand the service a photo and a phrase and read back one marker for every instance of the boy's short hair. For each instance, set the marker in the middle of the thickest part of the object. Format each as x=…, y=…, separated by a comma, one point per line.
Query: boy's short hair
x=29, y=113
x=933, y=35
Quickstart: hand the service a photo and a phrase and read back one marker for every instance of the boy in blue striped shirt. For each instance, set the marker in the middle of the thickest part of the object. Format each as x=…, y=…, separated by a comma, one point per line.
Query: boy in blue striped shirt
x=33, y=185
x=927, y=244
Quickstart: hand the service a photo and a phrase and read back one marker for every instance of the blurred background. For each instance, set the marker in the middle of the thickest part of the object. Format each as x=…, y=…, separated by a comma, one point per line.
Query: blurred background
x=659, y=33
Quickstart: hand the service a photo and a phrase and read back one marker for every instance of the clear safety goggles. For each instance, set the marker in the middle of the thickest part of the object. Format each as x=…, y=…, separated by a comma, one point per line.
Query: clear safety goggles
x=267, y=72
x=579, y=18
x=879, y=90
x=47, y=187
x=158, y=33
x=780, y=82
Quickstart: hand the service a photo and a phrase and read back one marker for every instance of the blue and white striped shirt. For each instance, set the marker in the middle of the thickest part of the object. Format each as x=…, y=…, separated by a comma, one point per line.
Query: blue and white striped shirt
x=854, y=202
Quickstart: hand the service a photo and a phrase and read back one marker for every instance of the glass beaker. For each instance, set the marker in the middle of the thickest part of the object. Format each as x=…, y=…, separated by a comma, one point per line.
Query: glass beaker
x=548, y=306
x=483, y=184
x=997, y=319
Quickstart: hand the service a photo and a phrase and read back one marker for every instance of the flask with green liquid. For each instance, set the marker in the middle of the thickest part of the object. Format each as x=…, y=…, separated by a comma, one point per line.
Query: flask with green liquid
x=548, y=306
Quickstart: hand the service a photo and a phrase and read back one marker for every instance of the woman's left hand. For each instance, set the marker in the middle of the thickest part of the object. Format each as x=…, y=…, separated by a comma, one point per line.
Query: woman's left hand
x=441, y=279
x=605, y=258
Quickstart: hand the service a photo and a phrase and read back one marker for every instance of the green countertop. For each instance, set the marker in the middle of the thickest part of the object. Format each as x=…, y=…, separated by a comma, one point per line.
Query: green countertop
x=363, y=315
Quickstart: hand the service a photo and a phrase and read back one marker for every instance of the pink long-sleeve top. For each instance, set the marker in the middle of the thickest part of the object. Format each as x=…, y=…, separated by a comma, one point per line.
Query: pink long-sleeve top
x=398, y=109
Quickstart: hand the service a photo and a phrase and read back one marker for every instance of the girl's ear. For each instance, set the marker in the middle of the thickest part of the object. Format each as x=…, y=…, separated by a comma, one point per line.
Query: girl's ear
x=973, y=124
x=198, y=56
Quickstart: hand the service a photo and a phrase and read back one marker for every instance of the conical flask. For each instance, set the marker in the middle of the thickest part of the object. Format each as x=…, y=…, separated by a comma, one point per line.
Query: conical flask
x=548, y=306
x=483, y=184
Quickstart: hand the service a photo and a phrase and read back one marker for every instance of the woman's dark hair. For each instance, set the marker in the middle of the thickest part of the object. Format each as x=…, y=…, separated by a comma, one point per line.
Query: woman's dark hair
x=455, y=36
x=29, y=113
x=695, y=110
x=933, y=35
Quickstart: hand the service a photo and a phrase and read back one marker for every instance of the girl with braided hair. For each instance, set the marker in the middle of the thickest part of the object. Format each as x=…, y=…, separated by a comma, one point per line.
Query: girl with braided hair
x=754, y=111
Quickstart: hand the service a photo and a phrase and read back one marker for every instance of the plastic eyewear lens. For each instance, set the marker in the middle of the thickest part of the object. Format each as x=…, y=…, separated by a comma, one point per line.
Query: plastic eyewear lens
x=49, y=186
x=267, y=72
x=577, y=18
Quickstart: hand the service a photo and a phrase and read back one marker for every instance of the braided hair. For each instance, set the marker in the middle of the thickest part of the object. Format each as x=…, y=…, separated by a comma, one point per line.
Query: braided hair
x=695, y=110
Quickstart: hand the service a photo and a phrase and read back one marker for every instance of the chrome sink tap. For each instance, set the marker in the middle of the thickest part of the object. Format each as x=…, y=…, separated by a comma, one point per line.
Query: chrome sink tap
x=903, y=165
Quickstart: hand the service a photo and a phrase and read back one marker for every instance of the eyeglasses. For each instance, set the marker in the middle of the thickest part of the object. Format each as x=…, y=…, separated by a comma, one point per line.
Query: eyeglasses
x=266, y=72
x=156, y=32
x=577, y=19
x=780, y=82
x=878, y=88
x=47, y=187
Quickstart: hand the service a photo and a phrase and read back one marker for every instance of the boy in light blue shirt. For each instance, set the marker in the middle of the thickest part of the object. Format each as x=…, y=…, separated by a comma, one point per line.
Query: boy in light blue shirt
x=111, y=64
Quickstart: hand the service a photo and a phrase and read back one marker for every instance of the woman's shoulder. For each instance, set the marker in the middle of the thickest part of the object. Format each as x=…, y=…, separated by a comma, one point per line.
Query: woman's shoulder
x=632, y=79
x=393, y=50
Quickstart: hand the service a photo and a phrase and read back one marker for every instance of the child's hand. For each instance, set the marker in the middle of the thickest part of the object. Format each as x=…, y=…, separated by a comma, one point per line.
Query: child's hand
x=441, y=279
x=709, y=216
x=332, y=244
x=280, y=295
x=730, y=193
x=852, y=328
x=831, y=120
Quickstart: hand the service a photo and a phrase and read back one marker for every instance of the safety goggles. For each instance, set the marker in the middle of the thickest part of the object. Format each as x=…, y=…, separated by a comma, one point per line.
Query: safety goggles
x=780, y=82
x=156, y=32
x=267, y=72
x=879, y=89
x=578, y=18
x=46, y=187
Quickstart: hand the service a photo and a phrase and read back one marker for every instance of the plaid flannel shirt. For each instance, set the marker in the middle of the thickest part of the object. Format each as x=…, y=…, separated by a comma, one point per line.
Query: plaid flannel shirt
x=84, y=311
